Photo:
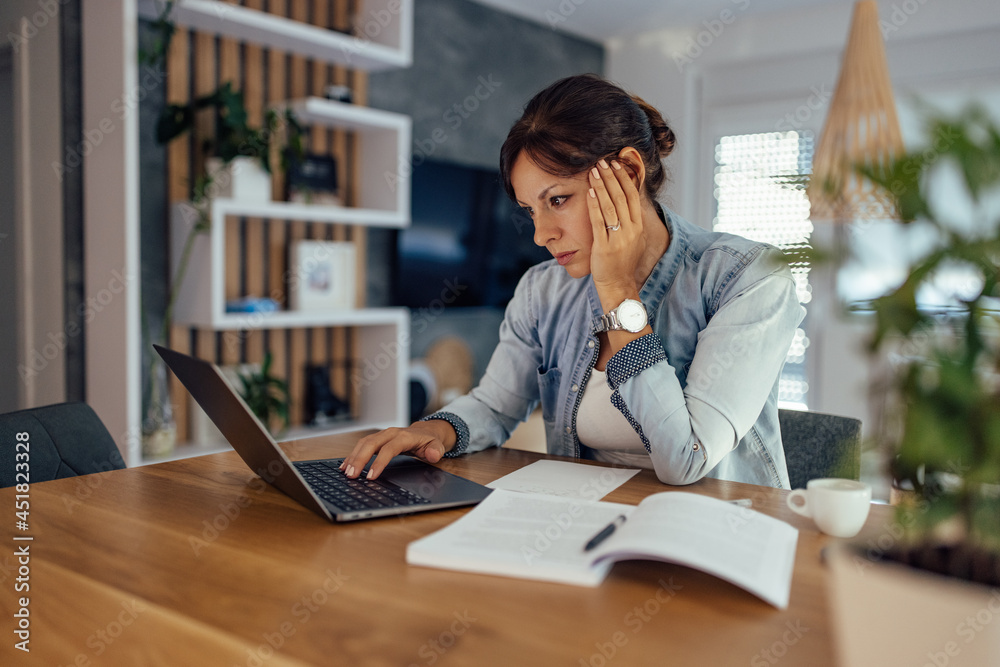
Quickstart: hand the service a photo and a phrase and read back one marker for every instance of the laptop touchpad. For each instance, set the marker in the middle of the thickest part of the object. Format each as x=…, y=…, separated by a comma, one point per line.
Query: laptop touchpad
x=422, y=479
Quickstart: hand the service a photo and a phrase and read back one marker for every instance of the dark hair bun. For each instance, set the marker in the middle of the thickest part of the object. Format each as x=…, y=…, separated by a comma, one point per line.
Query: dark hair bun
x=581, y=119
x=662, y=134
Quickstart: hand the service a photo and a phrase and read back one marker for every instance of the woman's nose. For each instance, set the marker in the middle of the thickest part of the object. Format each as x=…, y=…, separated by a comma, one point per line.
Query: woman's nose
x=545, y=229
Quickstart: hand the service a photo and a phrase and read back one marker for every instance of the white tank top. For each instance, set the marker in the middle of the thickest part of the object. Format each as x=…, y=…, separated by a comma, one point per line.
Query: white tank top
x=604, y=429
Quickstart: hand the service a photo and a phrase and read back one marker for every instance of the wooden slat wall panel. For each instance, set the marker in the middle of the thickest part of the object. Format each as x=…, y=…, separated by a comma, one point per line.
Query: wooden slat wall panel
x=178, y=189
x=276, y=239
x=358, y=82
x=205, y=72
x=298, y=350
x=340, y=19
x=257, y=250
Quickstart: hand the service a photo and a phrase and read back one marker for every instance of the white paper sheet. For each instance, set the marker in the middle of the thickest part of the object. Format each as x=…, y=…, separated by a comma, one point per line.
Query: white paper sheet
x=522, y=535
x=565, y=479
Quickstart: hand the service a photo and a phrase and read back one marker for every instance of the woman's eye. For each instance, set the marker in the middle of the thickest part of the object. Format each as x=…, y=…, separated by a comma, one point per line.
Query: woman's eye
x=558, y=201
x=527, y=210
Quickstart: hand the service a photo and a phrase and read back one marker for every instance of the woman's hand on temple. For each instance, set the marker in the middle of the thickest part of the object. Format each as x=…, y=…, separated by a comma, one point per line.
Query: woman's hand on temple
x=616, y=215
x=427, y=440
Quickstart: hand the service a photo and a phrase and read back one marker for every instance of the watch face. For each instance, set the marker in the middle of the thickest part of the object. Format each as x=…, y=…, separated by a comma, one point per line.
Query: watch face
x=632, y=316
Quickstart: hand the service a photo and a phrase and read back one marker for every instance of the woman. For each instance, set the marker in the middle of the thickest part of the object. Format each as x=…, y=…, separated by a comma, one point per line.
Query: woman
x=648, y=341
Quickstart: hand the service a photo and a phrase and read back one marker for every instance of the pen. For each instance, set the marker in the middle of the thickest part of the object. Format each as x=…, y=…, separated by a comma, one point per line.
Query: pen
x=742, y=502
x=605, y=532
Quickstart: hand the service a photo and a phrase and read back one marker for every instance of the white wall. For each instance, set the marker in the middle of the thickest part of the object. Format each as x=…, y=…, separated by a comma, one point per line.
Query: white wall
x=763, y=73
x=111, y=89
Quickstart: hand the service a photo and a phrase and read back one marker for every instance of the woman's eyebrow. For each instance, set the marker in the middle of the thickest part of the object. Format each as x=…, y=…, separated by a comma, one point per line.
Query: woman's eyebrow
x=541, y=195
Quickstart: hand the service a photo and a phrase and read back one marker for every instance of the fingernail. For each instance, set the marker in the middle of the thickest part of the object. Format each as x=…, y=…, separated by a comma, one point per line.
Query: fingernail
x=350, y=471
x=616, y=165
x=604, y=165
x=596, y=173
x=593, y=194
x=371, y=473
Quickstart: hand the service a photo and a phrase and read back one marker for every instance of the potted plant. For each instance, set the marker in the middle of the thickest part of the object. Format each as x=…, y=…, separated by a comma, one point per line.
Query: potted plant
x=266, y=395
x=240, y=162
x=917, y=591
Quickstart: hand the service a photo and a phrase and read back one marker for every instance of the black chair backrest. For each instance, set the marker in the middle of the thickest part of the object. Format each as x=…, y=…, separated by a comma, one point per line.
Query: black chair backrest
x=820, y=445
x=63, y=440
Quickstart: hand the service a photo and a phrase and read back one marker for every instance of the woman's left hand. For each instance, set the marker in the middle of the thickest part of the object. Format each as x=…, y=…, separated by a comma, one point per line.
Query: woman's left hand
x=616, y=215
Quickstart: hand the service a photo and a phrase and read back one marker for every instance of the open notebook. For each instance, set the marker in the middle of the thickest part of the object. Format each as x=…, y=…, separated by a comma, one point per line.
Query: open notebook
x=543, y=537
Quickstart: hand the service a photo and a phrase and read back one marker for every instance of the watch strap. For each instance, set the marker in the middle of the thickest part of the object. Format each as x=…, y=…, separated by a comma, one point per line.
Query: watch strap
x=607, y=322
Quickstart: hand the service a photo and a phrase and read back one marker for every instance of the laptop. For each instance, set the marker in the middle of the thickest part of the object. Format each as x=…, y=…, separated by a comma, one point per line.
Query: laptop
x=407, y=485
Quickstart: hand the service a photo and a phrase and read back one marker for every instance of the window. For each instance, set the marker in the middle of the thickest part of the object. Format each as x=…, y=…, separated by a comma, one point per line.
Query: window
x=759, y=195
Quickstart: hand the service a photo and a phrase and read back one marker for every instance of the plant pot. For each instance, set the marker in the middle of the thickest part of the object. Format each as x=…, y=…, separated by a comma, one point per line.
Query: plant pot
x=886, y=613
x=242, y=178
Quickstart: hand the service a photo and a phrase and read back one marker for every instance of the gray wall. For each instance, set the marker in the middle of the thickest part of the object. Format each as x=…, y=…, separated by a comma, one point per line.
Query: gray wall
x=9, y=285
x=473, y=71
x=71, y=74
x=458, y=45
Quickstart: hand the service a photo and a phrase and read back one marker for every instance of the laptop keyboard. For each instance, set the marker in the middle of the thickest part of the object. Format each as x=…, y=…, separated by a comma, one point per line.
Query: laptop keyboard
x=334, y=487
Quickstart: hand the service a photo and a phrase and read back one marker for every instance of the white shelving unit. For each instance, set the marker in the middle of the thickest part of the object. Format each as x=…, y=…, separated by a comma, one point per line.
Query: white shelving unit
x=384, y=154
x=201, y=298
x=382, y=374
x=384, y=202
x=382, y=38
x=383, y=346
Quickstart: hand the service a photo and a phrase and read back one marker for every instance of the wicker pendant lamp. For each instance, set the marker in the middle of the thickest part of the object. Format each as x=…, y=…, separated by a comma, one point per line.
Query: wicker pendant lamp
x=861, y=128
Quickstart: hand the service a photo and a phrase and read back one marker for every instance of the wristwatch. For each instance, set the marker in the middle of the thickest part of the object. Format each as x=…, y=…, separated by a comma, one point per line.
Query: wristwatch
x=630, y=315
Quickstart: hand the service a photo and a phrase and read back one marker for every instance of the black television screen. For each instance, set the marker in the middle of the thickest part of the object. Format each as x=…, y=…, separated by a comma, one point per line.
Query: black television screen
x=466, y=240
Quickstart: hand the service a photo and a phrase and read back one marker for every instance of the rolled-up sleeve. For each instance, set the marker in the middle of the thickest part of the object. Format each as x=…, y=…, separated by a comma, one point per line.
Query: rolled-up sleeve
x=739, y=354
x=508, y=390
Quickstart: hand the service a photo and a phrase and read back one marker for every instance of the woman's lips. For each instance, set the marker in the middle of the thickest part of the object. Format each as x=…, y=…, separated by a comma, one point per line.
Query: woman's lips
x=564, y=257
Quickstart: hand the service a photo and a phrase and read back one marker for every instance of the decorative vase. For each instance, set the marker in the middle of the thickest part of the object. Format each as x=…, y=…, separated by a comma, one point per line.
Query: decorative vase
x=159, y=432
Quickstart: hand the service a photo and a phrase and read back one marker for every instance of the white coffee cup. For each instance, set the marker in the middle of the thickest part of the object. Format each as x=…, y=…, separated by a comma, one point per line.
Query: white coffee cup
x=838, y=506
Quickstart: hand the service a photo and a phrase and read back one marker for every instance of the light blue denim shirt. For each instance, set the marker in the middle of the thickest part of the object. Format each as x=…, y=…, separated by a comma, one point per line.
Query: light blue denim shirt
x=701, y=390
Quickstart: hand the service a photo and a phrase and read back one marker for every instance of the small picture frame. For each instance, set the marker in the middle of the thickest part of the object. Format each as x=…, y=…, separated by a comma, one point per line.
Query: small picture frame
x=312, y=179
x=322, y=275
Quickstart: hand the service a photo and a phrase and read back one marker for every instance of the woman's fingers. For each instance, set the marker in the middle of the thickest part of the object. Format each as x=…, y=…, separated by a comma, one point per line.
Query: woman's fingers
x=615, y=212
x=616, y=196
x=596, y=214
x=599, y=182
x=364, y=449
x=387, y=444
x=429, y=450
x=632, y=200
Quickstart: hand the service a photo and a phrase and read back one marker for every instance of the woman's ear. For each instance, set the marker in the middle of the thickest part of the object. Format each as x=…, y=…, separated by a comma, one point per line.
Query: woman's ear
x=631, y=160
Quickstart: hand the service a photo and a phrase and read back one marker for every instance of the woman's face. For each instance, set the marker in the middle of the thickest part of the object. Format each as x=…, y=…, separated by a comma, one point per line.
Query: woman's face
x=558, y=208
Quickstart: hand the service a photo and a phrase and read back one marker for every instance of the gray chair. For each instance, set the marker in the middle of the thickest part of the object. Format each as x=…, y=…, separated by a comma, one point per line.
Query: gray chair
x=65, y=440
x=820, y=445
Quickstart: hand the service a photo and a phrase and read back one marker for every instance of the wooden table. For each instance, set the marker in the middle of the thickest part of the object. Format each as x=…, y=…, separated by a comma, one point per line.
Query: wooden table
x=197, y=562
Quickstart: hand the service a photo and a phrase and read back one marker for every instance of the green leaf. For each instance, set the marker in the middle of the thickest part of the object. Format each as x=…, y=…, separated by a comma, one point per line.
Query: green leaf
x=174, y=120
x=901, y=179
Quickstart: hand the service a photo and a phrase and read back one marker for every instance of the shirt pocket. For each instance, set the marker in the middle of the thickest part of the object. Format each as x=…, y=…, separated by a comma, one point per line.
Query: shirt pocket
x=548, y=391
